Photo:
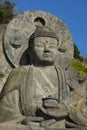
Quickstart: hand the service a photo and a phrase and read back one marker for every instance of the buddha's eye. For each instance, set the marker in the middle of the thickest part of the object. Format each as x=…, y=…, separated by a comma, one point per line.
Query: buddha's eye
x=53, y=46
x=39, y=45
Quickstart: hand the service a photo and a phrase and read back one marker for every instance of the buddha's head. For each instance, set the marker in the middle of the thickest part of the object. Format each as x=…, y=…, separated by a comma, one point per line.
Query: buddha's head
x=43, y=46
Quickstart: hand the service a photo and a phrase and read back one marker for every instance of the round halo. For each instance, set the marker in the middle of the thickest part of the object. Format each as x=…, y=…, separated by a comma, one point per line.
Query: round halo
x=23, y=25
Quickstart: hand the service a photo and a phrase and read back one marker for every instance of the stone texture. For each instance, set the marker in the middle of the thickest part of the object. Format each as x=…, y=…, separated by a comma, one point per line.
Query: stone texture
x=23, y=25
x=16, y=40
x=4, y=65
x=19, y=127
x=40, y=95
x=23, y=93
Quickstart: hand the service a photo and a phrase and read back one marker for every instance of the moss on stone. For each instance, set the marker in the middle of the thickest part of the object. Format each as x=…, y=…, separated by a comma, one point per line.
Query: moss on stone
x=79, y=67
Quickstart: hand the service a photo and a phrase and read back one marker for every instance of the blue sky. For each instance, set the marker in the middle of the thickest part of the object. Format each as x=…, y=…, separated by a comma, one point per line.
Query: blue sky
x=72, y=12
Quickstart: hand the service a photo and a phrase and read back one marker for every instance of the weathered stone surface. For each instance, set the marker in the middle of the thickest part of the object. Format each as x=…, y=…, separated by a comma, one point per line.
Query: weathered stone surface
x=22, y=127
x=72, y=78
x=16, y=40
x=2, y=30
x=47, y=123
x=22, y=26
x=5, y=68
x=27, y=89
x=38, y=94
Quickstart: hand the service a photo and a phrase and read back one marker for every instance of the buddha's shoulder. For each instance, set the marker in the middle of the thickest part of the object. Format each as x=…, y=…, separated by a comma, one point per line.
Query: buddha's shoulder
x=14, y=80
x=17, y=75
x=20, y=70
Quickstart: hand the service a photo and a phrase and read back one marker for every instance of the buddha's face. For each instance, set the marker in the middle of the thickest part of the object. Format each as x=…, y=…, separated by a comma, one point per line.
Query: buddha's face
x=45, y=50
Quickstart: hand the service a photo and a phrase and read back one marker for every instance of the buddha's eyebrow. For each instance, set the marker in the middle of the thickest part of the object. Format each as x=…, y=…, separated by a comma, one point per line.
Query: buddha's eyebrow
x=52, y=43
x=40, y=42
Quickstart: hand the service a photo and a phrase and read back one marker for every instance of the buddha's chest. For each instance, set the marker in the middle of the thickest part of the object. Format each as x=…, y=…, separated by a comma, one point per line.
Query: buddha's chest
x=44, y=84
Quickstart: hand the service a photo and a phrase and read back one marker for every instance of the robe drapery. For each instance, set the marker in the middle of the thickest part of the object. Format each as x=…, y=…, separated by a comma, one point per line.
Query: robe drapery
x=23, y=92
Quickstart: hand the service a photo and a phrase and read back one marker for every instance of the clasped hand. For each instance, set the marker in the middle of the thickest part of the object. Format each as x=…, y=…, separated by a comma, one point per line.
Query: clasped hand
x=51, y=108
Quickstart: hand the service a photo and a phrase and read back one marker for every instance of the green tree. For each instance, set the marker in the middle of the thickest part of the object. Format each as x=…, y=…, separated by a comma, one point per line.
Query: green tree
x=76, y=51
x=7, y=10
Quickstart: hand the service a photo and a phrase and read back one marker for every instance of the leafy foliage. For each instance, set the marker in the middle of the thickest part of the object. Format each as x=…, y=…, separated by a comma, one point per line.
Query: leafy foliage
x=7, y=10
x=79, y=67
x=77, y=53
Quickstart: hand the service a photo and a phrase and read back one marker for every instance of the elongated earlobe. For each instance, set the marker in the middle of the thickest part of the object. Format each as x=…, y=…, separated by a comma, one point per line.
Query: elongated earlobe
x=61, y=49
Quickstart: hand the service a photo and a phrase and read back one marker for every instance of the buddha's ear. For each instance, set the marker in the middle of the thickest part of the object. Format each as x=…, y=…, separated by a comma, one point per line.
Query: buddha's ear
x=62, y=48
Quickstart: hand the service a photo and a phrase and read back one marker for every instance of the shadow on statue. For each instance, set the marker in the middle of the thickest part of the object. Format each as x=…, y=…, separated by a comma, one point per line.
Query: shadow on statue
x=36, y=94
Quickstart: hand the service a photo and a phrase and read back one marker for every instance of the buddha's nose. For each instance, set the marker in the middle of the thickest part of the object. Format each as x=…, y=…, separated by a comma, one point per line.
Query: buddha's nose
x=46, y=48
x=46, y=51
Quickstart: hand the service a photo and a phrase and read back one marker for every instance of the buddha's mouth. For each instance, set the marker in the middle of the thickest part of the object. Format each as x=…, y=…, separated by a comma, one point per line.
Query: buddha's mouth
x=46, y=55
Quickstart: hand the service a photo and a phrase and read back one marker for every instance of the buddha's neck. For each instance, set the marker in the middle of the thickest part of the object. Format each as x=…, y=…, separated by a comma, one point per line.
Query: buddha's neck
x=43, y=65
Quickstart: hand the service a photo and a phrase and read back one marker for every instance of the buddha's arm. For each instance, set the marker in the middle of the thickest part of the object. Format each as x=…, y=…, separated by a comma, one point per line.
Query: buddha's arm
x=9, y=97
x=9, y=108
x=14, y=81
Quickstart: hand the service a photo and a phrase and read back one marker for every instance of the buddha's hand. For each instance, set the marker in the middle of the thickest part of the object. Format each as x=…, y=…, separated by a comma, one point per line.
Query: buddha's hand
x=53, y=109
x=29, y=119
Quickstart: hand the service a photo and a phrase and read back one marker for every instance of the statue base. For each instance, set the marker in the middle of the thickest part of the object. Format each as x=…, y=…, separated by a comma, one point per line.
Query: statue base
x=4, y=126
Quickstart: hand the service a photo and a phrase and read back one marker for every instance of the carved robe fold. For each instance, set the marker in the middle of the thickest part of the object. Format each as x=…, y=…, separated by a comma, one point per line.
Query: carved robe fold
x=26, y=87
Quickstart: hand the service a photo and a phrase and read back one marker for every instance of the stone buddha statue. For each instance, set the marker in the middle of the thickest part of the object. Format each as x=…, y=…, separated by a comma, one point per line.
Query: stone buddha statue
x=38, y=92
x=35, y=87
